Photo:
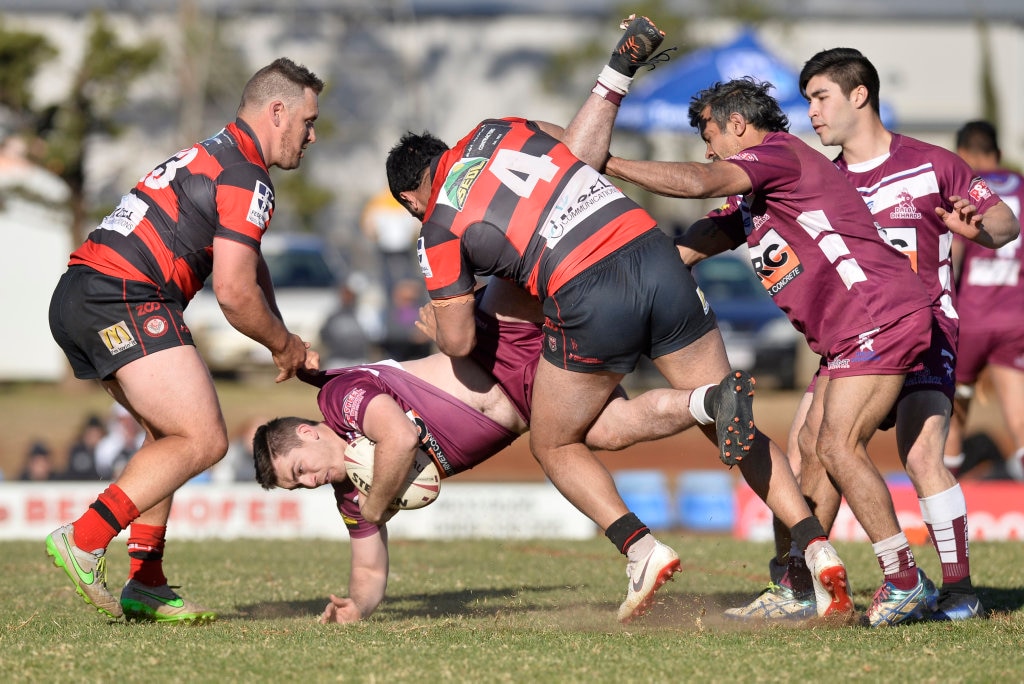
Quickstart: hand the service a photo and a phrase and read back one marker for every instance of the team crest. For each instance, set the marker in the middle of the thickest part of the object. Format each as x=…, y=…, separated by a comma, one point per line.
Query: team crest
x=904, y=208
x=461, y=179
x=155, y=326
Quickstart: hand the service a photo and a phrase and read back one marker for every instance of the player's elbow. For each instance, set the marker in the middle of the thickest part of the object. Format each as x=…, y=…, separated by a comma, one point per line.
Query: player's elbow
x=456, y=346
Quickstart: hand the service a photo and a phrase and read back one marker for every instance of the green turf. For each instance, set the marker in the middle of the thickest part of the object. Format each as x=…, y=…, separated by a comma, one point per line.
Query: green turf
x=489, y=611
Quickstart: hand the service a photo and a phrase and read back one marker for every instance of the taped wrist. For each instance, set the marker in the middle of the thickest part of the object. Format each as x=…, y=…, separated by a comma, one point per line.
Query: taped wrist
x=612, y=85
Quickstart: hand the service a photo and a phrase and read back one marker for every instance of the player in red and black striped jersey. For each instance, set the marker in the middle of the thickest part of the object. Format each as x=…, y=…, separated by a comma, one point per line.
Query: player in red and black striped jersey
x=524, y=201
x=117, y=314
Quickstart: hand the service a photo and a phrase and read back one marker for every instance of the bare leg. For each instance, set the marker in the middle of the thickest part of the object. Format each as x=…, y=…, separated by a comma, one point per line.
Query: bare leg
x=842, y=446
x=565, y=403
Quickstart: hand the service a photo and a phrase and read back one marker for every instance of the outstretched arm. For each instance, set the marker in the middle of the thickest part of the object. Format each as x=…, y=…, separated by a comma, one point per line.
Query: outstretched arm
x=682, y=179
x=993, y=229
x=367, y=582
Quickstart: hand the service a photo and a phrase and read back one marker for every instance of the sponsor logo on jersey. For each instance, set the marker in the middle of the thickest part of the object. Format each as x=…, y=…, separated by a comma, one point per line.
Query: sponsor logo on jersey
x=586, y=193
x=979, y=190
x=703, y=301
x=117, y=338
x=430, y=444
x=838, y=362
x=421, y=256
x=552, y=343
x=775, y=262
x=903, y=239
x=745, y=155
x=760, y=220
x=350, y=405
x=261, y=206
x=904, y=208
x=460, y=180
x=155, y=326
x=126, y=217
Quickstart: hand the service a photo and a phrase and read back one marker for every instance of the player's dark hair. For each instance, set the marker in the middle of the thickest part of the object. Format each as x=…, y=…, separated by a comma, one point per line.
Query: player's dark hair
x=848, y=68
x=979, y=137
x=282, y=78
x=271, y=440
x=409, y=158
x=746, y=96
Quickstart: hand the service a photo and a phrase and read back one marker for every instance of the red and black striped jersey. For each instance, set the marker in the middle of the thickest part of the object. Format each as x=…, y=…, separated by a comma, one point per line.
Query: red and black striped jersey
x=510, y=200
x=162, y=231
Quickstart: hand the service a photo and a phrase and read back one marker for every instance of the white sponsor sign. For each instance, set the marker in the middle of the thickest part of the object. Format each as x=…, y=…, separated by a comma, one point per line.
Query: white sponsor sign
x=205, y=511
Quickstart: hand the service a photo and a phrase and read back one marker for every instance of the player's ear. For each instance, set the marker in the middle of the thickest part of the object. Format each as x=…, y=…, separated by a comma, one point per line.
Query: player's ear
x=859, y=96
x=737, y=124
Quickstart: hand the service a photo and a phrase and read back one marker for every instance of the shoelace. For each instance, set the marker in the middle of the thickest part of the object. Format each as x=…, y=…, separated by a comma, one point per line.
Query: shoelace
x=657, y=59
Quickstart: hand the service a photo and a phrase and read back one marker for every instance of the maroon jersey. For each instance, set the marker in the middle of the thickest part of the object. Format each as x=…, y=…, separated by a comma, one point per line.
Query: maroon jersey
x=457, y=436
x=510, y=200
x=814, y=246
x=162, y=231
x=902, y=190
x=990, y=291
x=510, y=352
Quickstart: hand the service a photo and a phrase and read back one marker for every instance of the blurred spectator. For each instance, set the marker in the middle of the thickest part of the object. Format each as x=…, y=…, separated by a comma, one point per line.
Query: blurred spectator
x=402, y=339
x=344, y=339
x=38, y=464
x=81, y=463
x=237, y=465
x=124, y=437
x=393, y=232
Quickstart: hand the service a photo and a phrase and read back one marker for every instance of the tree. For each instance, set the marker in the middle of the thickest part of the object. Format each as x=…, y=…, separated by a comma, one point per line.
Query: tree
x=99, y=89
x=21, y=55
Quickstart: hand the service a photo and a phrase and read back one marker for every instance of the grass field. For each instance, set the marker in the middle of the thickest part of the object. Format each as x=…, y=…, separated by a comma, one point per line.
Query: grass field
x=490, y=611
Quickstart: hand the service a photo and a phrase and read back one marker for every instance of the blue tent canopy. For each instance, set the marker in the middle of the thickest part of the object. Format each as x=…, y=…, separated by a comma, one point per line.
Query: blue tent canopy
x=661, y=99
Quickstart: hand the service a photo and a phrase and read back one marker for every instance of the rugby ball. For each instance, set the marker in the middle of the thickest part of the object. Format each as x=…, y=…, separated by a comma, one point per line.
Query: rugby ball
x=421, y=486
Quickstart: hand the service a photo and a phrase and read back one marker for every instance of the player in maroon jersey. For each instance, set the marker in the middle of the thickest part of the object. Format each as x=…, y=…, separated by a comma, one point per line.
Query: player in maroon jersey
x=990, y=301
x=462, y=410
x=511, y=200
x=919, y=195
x=117, y=314
x=814, y=246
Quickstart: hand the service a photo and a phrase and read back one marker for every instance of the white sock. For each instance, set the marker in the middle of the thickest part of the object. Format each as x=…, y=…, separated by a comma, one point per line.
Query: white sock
x=697, y=409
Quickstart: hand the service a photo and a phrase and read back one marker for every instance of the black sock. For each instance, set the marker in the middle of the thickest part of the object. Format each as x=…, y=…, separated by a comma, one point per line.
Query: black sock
x=625, y=531
x=711, y=400
x=806, y=531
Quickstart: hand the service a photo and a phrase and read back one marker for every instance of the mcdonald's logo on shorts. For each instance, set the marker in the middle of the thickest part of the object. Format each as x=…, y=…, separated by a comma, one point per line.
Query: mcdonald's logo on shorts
x=117, y=338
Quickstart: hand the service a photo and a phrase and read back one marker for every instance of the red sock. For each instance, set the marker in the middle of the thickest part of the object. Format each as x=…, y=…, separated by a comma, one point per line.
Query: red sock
x=146, y=554
x=104, y=519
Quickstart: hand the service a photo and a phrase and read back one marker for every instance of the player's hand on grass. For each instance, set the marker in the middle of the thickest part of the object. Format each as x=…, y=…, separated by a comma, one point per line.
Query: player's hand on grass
x=342, y=611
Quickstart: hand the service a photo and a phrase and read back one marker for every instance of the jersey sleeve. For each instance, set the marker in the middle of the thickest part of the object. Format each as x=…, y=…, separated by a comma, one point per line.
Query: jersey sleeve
x=728, y=219
x=770, y=166
x=965, y=182
x=245, y=204
x=344, y=398
x=446, y=271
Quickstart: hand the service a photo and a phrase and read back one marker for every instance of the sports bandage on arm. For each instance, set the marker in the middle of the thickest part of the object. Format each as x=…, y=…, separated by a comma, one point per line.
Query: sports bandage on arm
x=612, y=85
